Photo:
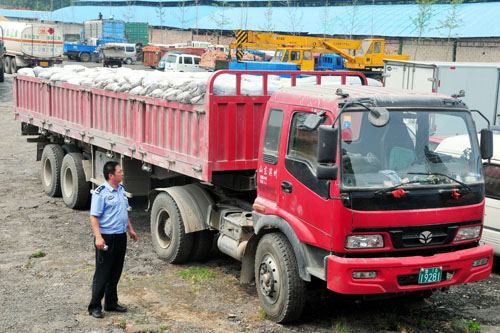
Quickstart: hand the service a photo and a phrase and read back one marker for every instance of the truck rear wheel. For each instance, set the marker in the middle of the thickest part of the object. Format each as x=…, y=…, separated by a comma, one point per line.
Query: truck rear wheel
x=13, y=65
x=170, y=240
x=50, y=174
x=75, y=189
x=2, y=77
x=281, y=290
x=84, y=57
x=7, y=65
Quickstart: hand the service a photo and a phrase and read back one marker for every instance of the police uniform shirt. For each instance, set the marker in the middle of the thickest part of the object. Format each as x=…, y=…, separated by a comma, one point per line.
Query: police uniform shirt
x=110, y=206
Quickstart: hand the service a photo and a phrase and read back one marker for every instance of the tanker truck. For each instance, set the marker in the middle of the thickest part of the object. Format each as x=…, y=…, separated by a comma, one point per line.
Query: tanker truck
x=30, y=44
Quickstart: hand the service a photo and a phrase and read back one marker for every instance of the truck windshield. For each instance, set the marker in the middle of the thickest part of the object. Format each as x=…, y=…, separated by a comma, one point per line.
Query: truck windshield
x=278, y=55
x=415, y=148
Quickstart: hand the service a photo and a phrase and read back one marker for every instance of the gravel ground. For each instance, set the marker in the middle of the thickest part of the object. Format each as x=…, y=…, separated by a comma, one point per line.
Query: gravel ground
x=50, y=293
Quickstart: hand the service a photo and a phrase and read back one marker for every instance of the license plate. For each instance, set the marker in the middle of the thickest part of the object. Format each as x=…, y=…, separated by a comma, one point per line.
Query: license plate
x=430, y=275
x=44, y=63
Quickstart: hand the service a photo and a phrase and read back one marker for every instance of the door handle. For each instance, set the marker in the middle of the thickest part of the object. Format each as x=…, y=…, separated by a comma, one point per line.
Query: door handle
x=286, y=187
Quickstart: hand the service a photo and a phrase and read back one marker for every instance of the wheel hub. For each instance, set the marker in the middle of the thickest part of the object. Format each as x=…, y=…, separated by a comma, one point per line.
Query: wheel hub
x=165, y=229
x=269, y=278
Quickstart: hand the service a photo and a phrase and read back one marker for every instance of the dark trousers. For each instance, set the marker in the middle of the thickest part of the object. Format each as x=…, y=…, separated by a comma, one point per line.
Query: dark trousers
x=108, y=269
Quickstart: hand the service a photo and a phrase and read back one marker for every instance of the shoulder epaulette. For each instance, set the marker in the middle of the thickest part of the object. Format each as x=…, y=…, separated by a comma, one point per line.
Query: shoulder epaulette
x=99, y=189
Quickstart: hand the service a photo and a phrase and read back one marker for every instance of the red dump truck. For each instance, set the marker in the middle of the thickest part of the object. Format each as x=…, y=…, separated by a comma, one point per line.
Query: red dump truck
x=341, y=184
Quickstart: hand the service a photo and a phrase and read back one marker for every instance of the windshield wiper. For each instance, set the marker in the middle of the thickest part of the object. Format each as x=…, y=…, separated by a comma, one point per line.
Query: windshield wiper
x=400, y=185
x=467, y=187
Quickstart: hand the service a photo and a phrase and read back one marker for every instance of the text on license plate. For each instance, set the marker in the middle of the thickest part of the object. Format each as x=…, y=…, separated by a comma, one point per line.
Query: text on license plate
x=44, y=63
x=430, y=275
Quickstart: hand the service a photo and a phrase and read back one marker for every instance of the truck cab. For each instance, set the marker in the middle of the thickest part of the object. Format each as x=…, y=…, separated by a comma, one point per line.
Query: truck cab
x=375, y=206
x=300, y=56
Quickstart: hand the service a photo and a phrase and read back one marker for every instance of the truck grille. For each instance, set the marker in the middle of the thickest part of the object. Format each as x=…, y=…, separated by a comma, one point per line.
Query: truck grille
x=422, y=236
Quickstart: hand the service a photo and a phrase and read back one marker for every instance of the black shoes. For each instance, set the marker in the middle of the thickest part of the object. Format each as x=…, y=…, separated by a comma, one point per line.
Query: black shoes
x=96, y=313
x=115, y=308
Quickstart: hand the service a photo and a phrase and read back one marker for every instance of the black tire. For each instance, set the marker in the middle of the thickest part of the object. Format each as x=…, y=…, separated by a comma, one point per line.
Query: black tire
x=170, y=240
x=84, y=57
x=7, y=65
x=13, y=66
x=75, y=189
x=50, y=172
x=2, y=76
x=281, y=290
x=202, y=245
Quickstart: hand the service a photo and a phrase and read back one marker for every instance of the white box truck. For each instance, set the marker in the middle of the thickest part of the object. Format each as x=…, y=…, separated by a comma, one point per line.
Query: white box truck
x=479, y=81
x=31, y=44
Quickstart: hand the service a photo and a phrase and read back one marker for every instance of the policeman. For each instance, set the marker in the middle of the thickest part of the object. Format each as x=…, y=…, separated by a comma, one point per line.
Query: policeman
x=110, y=221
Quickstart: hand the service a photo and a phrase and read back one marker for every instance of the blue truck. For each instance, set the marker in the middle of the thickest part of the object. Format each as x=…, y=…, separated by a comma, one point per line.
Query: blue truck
x=94, y=34
x=323, y=62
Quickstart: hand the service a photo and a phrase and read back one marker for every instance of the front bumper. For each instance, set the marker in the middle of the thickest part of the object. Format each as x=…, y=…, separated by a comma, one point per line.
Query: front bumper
x=397, y=274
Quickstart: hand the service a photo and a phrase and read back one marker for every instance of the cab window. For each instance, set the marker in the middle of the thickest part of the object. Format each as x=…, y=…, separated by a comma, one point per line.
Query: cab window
x=295, y=55
x=376, y=47
x=188, y=60
x=307, y=55
x=301, y=157
x=272, y=136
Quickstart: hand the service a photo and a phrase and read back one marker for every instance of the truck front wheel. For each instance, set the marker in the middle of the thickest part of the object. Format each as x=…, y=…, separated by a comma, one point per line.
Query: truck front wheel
x=170, y=240
x=50, y=174
x=281, y=290
x=75, y=189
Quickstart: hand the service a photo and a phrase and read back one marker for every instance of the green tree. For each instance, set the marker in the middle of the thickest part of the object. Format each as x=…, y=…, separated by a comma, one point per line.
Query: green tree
x=422, y=20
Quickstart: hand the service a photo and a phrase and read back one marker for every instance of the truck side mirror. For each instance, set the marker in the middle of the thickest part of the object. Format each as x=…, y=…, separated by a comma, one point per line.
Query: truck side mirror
x=486, y=144
x=327, y=144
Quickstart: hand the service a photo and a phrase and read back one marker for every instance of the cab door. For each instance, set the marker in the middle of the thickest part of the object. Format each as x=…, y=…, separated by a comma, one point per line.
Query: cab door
x=303, y=199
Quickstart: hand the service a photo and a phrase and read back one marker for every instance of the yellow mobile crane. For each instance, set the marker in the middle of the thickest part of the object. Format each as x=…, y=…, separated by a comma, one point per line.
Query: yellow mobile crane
x=363, y=55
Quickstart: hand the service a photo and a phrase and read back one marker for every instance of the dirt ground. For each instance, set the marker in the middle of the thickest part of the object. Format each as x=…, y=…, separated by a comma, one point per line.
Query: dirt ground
x=47, y=262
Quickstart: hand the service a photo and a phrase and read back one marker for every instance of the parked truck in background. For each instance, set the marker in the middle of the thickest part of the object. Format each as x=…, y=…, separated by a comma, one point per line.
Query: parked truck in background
x=339, y=184
x=95, y=33
x=480, y=82
x=31, y=44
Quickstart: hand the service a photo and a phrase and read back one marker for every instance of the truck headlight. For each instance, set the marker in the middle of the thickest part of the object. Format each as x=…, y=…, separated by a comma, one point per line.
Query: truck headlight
x=466, y=233
x=364, y=241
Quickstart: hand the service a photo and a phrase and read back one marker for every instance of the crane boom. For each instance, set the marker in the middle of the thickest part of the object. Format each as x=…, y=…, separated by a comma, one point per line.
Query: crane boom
x=359, y=54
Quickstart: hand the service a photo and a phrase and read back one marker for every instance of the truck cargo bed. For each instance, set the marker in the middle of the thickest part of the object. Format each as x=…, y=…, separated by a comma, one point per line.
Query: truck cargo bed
x=194, y=140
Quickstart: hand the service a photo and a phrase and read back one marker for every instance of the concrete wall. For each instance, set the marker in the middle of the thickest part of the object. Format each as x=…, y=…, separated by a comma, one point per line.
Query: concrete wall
x=164, y=36
x=468, y=50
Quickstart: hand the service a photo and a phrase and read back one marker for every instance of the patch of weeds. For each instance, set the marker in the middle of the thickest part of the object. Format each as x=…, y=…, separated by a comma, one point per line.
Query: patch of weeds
x=472, y=326
x=340, y=326
x=197, y=274
x=164, y=327
x=140, y=321
x=38, y=254
x=388, y=321
x=261, y=315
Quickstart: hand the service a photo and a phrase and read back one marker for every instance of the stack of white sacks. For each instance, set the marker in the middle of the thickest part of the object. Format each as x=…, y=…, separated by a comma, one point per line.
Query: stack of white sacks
x=171, y=86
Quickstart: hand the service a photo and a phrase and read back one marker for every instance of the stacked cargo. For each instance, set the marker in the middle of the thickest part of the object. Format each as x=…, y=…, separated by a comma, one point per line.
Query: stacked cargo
x=137, y=33
x=104, y=29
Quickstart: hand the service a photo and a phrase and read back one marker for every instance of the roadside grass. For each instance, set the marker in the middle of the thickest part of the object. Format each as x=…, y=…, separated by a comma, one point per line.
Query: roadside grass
x=340, y=326
x=261, y=315
x=38, y=254
x=197, y=275
x=472, y=326
x=164, y=327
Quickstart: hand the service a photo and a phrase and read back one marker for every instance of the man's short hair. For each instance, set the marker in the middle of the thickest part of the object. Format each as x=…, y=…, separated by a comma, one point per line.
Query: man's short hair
x=109, y=168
